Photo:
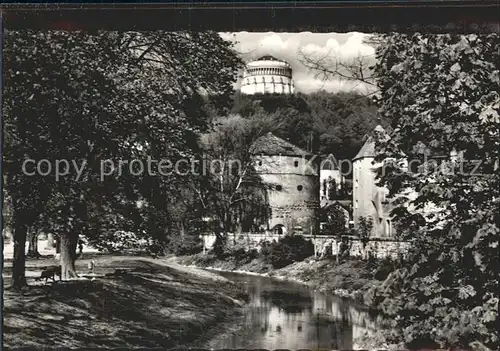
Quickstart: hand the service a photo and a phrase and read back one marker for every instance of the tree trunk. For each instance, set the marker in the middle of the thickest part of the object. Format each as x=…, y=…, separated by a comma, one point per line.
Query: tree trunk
x=7, y=233
x=33, y=244
x=68, y=255
x=58, y=244
x=337, y=259
x=19, y=261
x=182, y=229
x=50, y=241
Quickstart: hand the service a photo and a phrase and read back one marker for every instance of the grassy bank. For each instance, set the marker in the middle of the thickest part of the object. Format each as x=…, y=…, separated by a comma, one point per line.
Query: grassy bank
x=134, y=302
x=350, y=278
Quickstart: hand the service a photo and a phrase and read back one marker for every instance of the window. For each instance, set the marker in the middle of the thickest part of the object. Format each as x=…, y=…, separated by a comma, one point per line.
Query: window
x=299, y=188
x=296, y=163
x=279, y=187
x=414, y=165
x=357, y=205
x=388, y=227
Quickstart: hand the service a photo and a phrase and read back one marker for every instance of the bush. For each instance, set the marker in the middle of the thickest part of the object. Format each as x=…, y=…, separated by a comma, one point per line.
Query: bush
x=265, y=250
x=219, y=246
x=185, y=245
x=239, y=254
x=119, y=241
x=328, y=251
x=155, y=249
x=204, y=260
x=344, y=247
x=290, y=249
x=384, y=268
x=242, y=255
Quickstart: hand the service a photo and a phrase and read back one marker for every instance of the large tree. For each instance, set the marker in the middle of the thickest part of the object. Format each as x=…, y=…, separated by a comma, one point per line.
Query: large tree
x=442, y=94
x=231, y=192
x=93, y=100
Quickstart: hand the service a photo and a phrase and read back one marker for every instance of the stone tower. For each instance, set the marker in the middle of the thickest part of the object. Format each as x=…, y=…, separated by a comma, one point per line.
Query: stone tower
x=369, y=200
x=267, y=75
x=292, y=178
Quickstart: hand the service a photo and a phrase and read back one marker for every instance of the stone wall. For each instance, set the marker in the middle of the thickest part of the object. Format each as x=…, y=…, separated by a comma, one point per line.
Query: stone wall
x=376, y=247
x=248, y=240
x=293, y=193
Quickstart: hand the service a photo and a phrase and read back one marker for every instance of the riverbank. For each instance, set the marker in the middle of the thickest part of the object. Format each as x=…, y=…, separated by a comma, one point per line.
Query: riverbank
x=133, y=302
x=349, y=279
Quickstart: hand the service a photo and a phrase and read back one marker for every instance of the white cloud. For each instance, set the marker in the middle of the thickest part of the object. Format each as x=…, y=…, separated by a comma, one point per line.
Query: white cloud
x=355, y=46
x=286, y=46
x=308, y=84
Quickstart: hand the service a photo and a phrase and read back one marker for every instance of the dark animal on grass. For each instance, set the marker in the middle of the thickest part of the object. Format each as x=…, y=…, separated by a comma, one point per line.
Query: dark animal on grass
x=50, y=272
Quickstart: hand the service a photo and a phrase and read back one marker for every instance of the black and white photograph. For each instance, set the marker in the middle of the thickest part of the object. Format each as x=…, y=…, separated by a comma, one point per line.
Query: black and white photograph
x=239, y=189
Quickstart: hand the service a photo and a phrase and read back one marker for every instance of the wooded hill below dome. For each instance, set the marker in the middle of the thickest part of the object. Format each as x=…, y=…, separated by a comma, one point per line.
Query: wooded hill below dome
x=320, y=123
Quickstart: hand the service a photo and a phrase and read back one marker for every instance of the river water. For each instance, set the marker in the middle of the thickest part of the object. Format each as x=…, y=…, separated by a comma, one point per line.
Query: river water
x=284, y=315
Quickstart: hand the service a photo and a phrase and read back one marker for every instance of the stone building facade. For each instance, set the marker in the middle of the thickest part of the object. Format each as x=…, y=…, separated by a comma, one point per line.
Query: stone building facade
x=267, y=75
x=291, y=176
x=331, y=179
x=370, y=200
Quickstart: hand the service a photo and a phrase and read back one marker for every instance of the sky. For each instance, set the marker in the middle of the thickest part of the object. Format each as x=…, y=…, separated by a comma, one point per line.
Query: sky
x=286, y=46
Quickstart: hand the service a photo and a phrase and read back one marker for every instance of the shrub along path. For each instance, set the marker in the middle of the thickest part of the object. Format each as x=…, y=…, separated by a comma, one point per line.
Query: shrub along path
x=351, y=278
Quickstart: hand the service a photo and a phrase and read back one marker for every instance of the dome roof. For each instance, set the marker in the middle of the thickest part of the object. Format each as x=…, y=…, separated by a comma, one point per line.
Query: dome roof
x=267, y=58
x=268, y=61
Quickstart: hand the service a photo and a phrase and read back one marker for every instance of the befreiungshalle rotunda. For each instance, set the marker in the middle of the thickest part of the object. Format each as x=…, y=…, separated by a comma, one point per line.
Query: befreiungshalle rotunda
x=267, y=74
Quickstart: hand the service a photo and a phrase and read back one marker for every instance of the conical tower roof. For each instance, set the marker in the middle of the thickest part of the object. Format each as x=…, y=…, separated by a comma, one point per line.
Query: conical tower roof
x=368, y=148
x=272, y=145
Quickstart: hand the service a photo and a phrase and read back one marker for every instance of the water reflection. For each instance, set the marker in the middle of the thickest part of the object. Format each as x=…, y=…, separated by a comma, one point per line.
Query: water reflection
x=290, y=302
x=292, y=316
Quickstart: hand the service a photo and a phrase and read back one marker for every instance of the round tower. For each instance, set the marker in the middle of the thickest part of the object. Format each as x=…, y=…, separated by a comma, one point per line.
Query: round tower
x=267, y=75
x=291, y=176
